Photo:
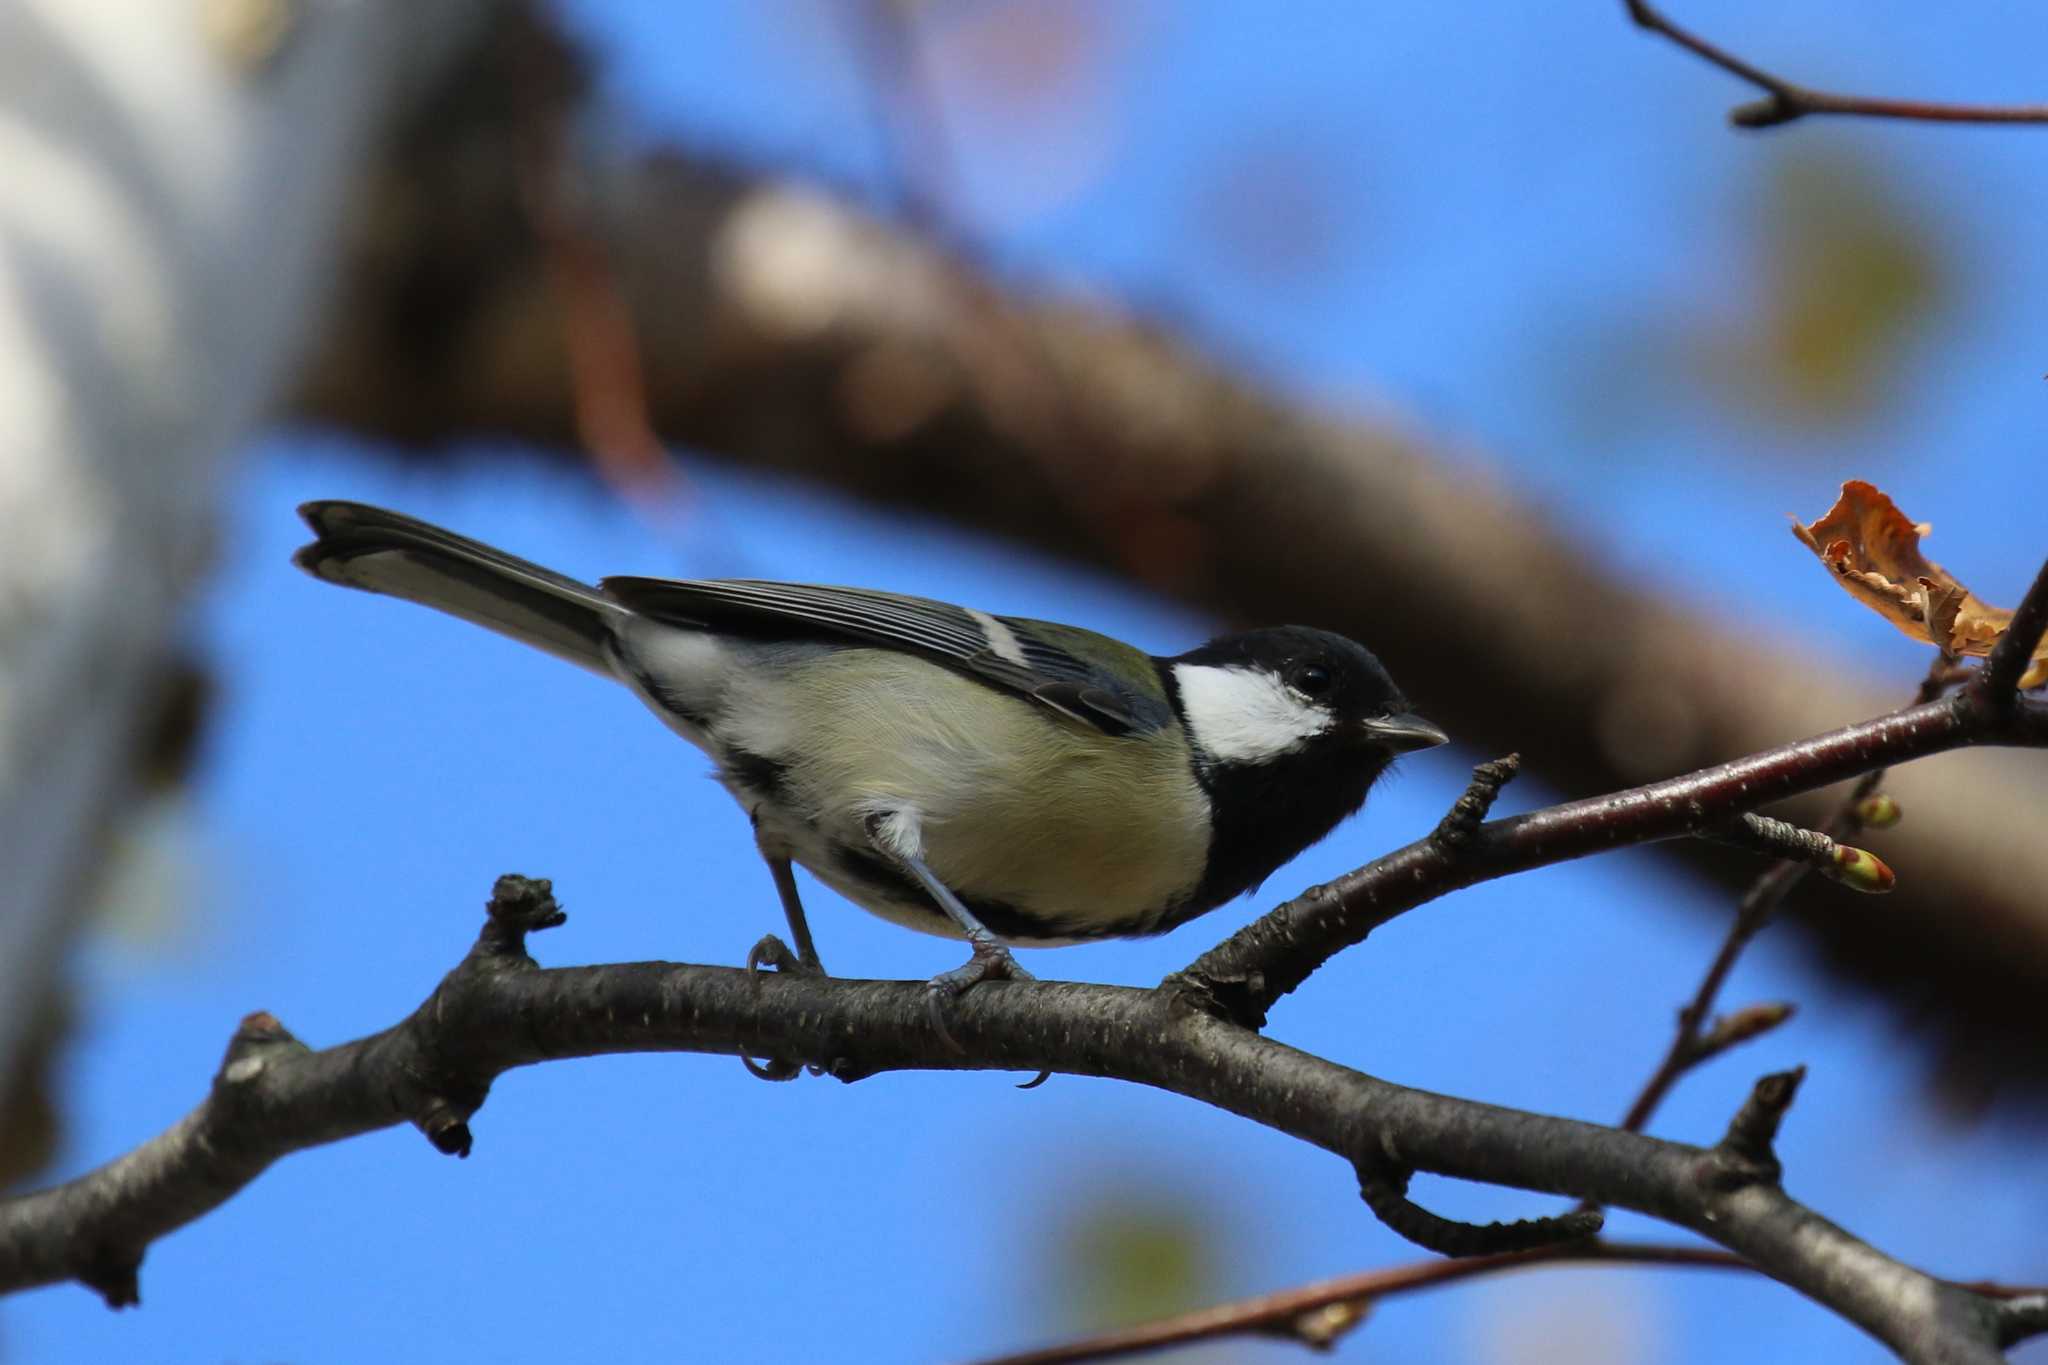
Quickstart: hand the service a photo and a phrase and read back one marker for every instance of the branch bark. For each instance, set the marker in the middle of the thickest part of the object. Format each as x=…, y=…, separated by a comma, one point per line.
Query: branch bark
x=499, y=1010
x=781, y=329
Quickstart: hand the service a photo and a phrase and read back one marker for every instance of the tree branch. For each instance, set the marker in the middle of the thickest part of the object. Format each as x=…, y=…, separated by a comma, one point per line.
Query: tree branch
x=1995, y=683
x=1785, y=101
x=498, y=1010
x=1244, y=975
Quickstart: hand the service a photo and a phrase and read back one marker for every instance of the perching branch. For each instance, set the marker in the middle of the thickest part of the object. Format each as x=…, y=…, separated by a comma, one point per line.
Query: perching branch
x=498, y=1010
x=1785, y=101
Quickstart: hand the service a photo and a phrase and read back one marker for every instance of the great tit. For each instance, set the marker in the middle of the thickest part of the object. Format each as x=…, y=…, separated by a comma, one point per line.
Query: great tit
x=983, y=777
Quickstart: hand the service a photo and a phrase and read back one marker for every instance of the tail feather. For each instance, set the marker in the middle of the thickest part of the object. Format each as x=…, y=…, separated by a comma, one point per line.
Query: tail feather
x=359, y=546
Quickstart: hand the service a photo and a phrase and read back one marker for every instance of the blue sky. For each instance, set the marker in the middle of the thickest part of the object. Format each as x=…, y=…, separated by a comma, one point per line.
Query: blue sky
x=1523, y=219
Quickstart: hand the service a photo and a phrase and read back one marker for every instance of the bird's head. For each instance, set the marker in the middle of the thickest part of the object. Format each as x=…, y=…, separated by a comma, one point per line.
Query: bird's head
x=1289, y=727
x=1266, y=696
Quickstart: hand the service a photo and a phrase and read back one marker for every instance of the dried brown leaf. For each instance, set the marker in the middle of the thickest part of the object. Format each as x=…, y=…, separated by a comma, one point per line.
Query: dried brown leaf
x=1874, y=553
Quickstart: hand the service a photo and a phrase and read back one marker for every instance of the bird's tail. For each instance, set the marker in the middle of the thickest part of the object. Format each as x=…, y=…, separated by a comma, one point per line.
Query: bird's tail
x=359, y=546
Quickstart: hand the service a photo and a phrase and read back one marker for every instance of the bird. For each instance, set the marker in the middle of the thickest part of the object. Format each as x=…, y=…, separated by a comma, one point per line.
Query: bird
x=993, y=778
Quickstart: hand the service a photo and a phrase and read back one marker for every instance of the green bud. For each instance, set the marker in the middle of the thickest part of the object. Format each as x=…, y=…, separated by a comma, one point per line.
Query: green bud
x=1859, y=870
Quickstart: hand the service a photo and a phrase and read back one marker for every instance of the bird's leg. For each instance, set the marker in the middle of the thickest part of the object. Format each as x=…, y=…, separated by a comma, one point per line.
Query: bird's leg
x=990, y=960
x=772, y=951
x=793, y=911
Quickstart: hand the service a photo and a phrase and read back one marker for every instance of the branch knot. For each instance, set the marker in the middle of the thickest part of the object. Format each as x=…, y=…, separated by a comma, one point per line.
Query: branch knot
x=1465, y=816
x=1745, y=1155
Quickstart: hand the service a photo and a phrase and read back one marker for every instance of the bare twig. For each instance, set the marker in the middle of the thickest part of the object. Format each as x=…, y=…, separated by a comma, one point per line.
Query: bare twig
x=1693, y=1043
x=1465, y=816
x=1732, y=1030
x=1785, y=100
x=1856, y=868
x=1385, y=1191
x=1305, y=1313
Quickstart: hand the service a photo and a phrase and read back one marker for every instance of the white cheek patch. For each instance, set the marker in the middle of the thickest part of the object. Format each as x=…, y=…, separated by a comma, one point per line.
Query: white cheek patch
x=1245, y=715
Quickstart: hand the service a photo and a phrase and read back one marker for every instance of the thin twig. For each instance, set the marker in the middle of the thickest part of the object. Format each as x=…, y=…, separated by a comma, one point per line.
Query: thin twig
x=1305, y=1313
x=1856, y=868
x=1469, y=812
x=1785, y=100
x=1317, y=1314
x=1693, y=1043
x=1385, y=1191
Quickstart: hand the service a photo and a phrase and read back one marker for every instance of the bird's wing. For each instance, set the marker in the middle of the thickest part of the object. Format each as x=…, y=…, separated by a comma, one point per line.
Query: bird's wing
x=1062, y=668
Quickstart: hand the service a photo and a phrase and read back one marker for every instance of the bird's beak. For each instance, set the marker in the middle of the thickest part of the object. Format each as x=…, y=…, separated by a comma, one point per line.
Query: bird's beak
x=1404, y=734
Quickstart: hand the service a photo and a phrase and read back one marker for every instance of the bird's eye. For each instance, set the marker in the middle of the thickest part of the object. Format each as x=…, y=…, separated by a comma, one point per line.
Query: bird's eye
x=1312, y=681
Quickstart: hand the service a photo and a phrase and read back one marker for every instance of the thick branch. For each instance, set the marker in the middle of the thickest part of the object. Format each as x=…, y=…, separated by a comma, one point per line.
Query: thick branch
x=1785, y=101
x=498, y=1010
x=1266, y=959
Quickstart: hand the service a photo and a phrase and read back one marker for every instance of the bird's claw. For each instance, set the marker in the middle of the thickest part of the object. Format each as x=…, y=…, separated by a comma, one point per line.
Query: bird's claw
x=774, y=1069
x=991, y=962
x=773, y=952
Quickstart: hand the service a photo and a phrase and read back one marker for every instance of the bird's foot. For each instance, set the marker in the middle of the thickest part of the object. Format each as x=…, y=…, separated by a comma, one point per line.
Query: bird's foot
x=991, y=962
x=773, y=952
